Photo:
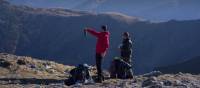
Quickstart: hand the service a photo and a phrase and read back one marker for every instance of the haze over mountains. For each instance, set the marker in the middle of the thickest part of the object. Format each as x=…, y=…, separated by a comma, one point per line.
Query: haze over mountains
x=58, y=34
x=153, y=10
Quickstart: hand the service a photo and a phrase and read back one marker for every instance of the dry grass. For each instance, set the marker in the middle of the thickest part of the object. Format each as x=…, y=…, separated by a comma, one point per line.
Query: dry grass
x=54, y=70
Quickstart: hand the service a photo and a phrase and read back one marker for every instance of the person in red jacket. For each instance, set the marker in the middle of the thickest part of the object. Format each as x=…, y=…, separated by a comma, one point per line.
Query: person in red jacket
x=101, y=47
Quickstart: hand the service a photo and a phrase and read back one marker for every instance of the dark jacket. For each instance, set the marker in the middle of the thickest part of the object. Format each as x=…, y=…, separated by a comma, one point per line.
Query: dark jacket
x=126, y=48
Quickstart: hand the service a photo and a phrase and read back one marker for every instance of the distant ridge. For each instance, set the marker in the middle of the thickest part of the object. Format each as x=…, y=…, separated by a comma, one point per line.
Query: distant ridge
x=190, y=66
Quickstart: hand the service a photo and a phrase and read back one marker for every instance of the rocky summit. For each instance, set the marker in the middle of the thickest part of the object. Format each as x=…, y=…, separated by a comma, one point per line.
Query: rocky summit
x=28, y=72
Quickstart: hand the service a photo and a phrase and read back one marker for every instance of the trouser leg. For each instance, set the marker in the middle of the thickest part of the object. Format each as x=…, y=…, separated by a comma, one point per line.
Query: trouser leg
x=98, y=65
x=129, y=72
x=113, y=70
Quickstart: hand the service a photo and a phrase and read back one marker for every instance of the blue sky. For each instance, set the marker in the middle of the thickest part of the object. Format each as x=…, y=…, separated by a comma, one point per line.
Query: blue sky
x=154, y=10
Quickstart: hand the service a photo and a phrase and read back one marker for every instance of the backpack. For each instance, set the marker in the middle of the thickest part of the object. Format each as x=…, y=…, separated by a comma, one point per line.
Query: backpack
x=79, y=74
x=120, y=68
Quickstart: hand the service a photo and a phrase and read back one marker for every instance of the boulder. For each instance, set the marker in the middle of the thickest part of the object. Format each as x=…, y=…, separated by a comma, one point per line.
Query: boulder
x=149, y=82
x=156, y=86
x=167, y=83
x=153, y=73
x=4, y=63
x=21, y=62
x=179, y=84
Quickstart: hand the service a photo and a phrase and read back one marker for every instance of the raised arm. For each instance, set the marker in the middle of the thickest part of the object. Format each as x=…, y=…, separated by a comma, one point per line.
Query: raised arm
x=92, y=32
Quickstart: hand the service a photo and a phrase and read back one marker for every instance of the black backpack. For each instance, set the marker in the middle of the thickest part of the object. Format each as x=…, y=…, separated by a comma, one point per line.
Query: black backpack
x=121, y=67
x=79, y=74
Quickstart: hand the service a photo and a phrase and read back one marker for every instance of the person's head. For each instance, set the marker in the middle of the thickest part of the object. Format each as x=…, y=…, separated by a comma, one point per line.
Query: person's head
x=104, y=28
x=125, y=35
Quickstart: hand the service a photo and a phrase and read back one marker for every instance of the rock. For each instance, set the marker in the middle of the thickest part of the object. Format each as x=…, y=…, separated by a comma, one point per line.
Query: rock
x=56, y=86
x=156, y=86
x=153, y=73
x=32, y=66
x=194, y=85
x=179, y=84
x=149, y=82
x=51, y=71
x=48, y=67
x=180, y=73
x=167, y=83
x=182, y=86
x=78, y=85
x=4, y=63
x=21, y=62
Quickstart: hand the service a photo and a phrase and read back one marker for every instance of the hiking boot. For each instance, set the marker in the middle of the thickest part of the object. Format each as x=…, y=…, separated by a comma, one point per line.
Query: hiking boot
x=103, y=78
x=99, y=81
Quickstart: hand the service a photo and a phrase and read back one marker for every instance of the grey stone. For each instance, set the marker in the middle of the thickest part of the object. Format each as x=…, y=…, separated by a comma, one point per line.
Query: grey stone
x=149, y=82
x=153, y=73
x=167, y=83
x=4, y=63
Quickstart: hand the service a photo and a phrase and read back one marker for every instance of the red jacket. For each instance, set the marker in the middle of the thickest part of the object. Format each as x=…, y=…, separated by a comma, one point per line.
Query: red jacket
x=102, y=41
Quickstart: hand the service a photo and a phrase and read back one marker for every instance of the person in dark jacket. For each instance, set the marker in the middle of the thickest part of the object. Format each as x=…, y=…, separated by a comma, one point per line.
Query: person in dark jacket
x=101, y=47
x=126, y=52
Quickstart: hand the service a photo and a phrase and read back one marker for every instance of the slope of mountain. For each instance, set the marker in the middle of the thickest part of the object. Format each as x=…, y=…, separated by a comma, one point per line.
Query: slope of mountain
x=154, y=10
x=58, y=34
x=190, y=66
x=28, y=72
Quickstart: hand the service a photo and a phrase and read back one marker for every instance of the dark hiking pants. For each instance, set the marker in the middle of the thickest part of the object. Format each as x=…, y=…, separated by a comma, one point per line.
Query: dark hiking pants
x=129, y=73
x=99, y=58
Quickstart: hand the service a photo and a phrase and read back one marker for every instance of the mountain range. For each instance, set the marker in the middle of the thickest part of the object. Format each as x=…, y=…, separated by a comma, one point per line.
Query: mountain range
x=154, y=10
x=57, y=34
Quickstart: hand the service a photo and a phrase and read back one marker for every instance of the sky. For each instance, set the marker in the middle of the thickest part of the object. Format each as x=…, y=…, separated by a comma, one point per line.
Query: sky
x=153, y=10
